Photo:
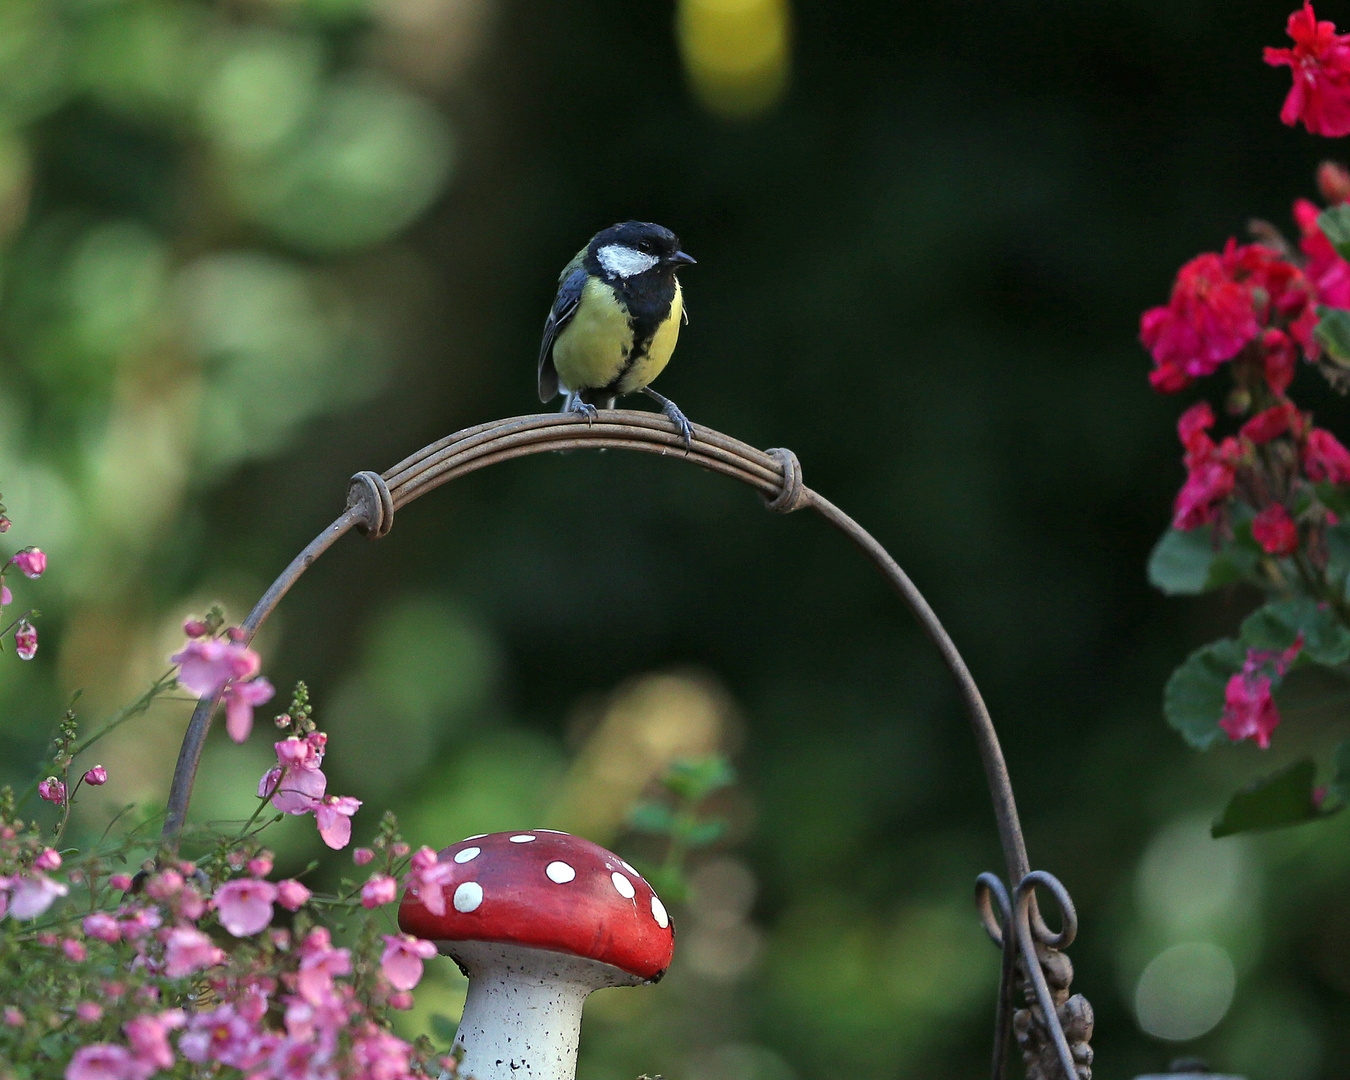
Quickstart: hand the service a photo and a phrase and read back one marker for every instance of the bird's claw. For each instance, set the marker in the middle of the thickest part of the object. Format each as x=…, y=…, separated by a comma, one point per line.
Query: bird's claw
x=585, y=408
x=681, y=422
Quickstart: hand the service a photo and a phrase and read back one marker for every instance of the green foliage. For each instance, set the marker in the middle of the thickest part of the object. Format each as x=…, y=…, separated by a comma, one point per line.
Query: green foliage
x=679, y=819
x=1276, y=626
x=1284, y=798
x=1194, y=697
x=1187, y=563
x=1335, y=224
x=1333, y=332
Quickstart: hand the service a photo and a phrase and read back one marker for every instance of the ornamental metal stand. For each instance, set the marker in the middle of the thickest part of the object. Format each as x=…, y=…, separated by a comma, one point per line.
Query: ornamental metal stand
x=1051, y=1026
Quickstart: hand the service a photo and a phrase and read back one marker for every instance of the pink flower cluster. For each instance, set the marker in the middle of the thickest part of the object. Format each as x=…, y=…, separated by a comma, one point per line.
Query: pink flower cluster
x=1249, y=710
x=1218, y=473
x=32, y=563
x=297, y=785
x=209, y=666
x=1320, y=62
x=1248, y=298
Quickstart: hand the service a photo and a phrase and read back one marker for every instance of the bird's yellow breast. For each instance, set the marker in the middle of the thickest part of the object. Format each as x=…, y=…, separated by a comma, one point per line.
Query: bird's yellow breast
x=595, y=349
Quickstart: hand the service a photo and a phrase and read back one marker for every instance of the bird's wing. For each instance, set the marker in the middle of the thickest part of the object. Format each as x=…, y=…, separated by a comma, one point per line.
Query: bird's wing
x=565, y=305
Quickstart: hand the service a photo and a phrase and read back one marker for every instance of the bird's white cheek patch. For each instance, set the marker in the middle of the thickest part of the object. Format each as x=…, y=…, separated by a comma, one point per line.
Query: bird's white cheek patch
x=624, y=262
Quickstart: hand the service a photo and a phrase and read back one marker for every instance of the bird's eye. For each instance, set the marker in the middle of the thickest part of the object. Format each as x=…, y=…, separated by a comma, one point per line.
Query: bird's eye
x=644, y=246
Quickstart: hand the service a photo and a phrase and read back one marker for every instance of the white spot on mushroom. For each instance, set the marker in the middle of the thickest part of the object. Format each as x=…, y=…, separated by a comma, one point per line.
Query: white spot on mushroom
x=467, y=854
x=629, y=868
x=523, y=838
x=622, y=885
x=475, y=836
x=468, y=896
x=659, y=912
x=560, y=872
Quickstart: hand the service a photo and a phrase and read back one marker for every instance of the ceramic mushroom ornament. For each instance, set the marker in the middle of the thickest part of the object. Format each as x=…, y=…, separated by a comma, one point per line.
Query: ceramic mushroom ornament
x=537, y=920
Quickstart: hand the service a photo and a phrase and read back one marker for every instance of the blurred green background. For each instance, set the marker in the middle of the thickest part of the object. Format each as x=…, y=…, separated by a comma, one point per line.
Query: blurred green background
x=253, y=246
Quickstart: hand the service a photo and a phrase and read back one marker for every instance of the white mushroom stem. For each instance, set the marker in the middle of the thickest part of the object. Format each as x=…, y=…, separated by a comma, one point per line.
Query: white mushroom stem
x=522, y=1017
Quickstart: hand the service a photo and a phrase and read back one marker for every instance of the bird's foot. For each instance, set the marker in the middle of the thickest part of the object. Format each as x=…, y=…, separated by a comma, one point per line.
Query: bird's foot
x=675, y=415
x=585, y=408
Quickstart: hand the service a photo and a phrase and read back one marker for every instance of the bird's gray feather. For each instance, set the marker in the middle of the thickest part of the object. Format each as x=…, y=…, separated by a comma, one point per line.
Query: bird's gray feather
x=565, y=305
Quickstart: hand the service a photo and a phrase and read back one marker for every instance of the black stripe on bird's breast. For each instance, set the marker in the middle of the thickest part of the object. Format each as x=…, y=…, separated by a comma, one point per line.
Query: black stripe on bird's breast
x=647, y=300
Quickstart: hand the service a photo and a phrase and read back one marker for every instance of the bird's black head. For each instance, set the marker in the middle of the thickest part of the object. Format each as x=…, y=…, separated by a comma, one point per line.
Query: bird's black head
x=633, y=248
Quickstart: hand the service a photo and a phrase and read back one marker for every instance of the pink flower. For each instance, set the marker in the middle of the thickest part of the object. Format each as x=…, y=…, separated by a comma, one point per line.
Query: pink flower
x=334, y=819
x=207, y=664
x=1333, y=181
x=164, y=885
x=401, y=999
x=1270, y=424
x=33, y=894
x=102, y=926
x=379, y=890
x=1320, y=60
x=96, y=777
x=1249, y=710
x=5, y=523
x=31, y=562
x=1275, y=531
x=1207, y=486
x=1324, y=458
x=292, y=895
x=102, y=1061
x=427, y=877
x=320, y=963
x=148, y=1035
x=13, y=1017
x=261, y=864
x=88, y=1012
x=53, y=790
x=245, y=905
x=48, y=859
x=25, y=640
x=74, y=950
x=6, y=597
x=1208, y=320
x=402, y=959
x=240, y=700
x=139, y=923
x=1328, y=272
x=362, y=855
x=188, y=950
x=195, y=628
x=121, y=882
x=296, y=784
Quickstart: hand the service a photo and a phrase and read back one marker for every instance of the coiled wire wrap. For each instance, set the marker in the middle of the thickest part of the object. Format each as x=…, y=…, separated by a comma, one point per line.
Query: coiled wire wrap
x=373, y=499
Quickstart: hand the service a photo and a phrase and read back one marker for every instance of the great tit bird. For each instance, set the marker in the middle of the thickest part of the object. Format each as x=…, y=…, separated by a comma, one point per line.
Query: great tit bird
x=615, y=320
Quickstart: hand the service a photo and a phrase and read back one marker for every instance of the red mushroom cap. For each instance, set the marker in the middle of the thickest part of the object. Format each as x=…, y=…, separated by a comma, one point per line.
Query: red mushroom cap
x=548, y=890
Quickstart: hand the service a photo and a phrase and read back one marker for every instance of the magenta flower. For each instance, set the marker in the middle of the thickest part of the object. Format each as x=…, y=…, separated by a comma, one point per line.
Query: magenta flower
x=148, y=1035
x=6, y=597
x=188, y=950
x=245, y=905
x=1275, y=530
x=1320, y=62
x=52, y=790
x=334, y=818
x=402, y=959
x=102, y=1061
x=31, y=562
x=88, y=1012
x=96, y=777
x=33, y=894
x=195, y=628
x=1324, y=458
x=379, y=890
x=260, y=865
x=206, y=665
x=74, y=950
x=48, y=859
x=296, y=784
x=102, y=926
x=25, y=640
x=362, y=855
x=240, y=700
x=1249, y=710
x=320, y=963
x=13, y=1017
x=292, y=895
x=427, y=877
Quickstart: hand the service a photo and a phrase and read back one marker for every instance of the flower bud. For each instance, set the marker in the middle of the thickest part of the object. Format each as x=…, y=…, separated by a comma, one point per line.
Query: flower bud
x=96, y=777
x=362, y=855
x=52, y=790
x=1333, y=181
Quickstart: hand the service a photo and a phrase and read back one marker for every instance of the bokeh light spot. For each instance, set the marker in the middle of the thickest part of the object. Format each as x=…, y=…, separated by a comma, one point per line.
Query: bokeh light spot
x=1185, y=991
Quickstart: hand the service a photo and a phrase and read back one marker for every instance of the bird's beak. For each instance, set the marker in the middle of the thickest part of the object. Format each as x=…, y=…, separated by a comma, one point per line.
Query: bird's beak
x=682, y=259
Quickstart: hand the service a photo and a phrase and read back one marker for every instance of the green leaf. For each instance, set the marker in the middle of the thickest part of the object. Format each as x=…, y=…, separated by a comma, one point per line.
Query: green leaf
x=1194, y=697
x=1335, y=223
x=703, y=833
x=651, y=817
x=1187, y=563
x=1340, y=773
x=696, y=778
x=1275, y=626
x=1333, y=331
x=443, y=1027
x=1283, y=798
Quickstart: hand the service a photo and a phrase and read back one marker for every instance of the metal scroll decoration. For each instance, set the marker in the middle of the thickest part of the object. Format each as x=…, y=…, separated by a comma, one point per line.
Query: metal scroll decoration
x=1052, y=1027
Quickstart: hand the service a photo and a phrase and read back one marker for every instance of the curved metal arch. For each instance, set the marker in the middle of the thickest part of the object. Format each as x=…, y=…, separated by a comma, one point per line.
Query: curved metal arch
x=374, y=498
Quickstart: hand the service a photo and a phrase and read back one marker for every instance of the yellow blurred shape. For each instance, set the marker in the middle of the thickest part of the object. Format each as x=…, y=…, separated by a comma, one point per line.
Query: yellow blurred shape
x=648, y=723
x=737, y=53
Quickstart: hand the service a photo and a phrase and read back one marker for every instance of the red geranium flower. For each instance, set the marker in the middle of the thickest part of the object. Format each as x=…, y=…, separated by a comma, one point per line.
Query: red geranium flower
x=1320, y=61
